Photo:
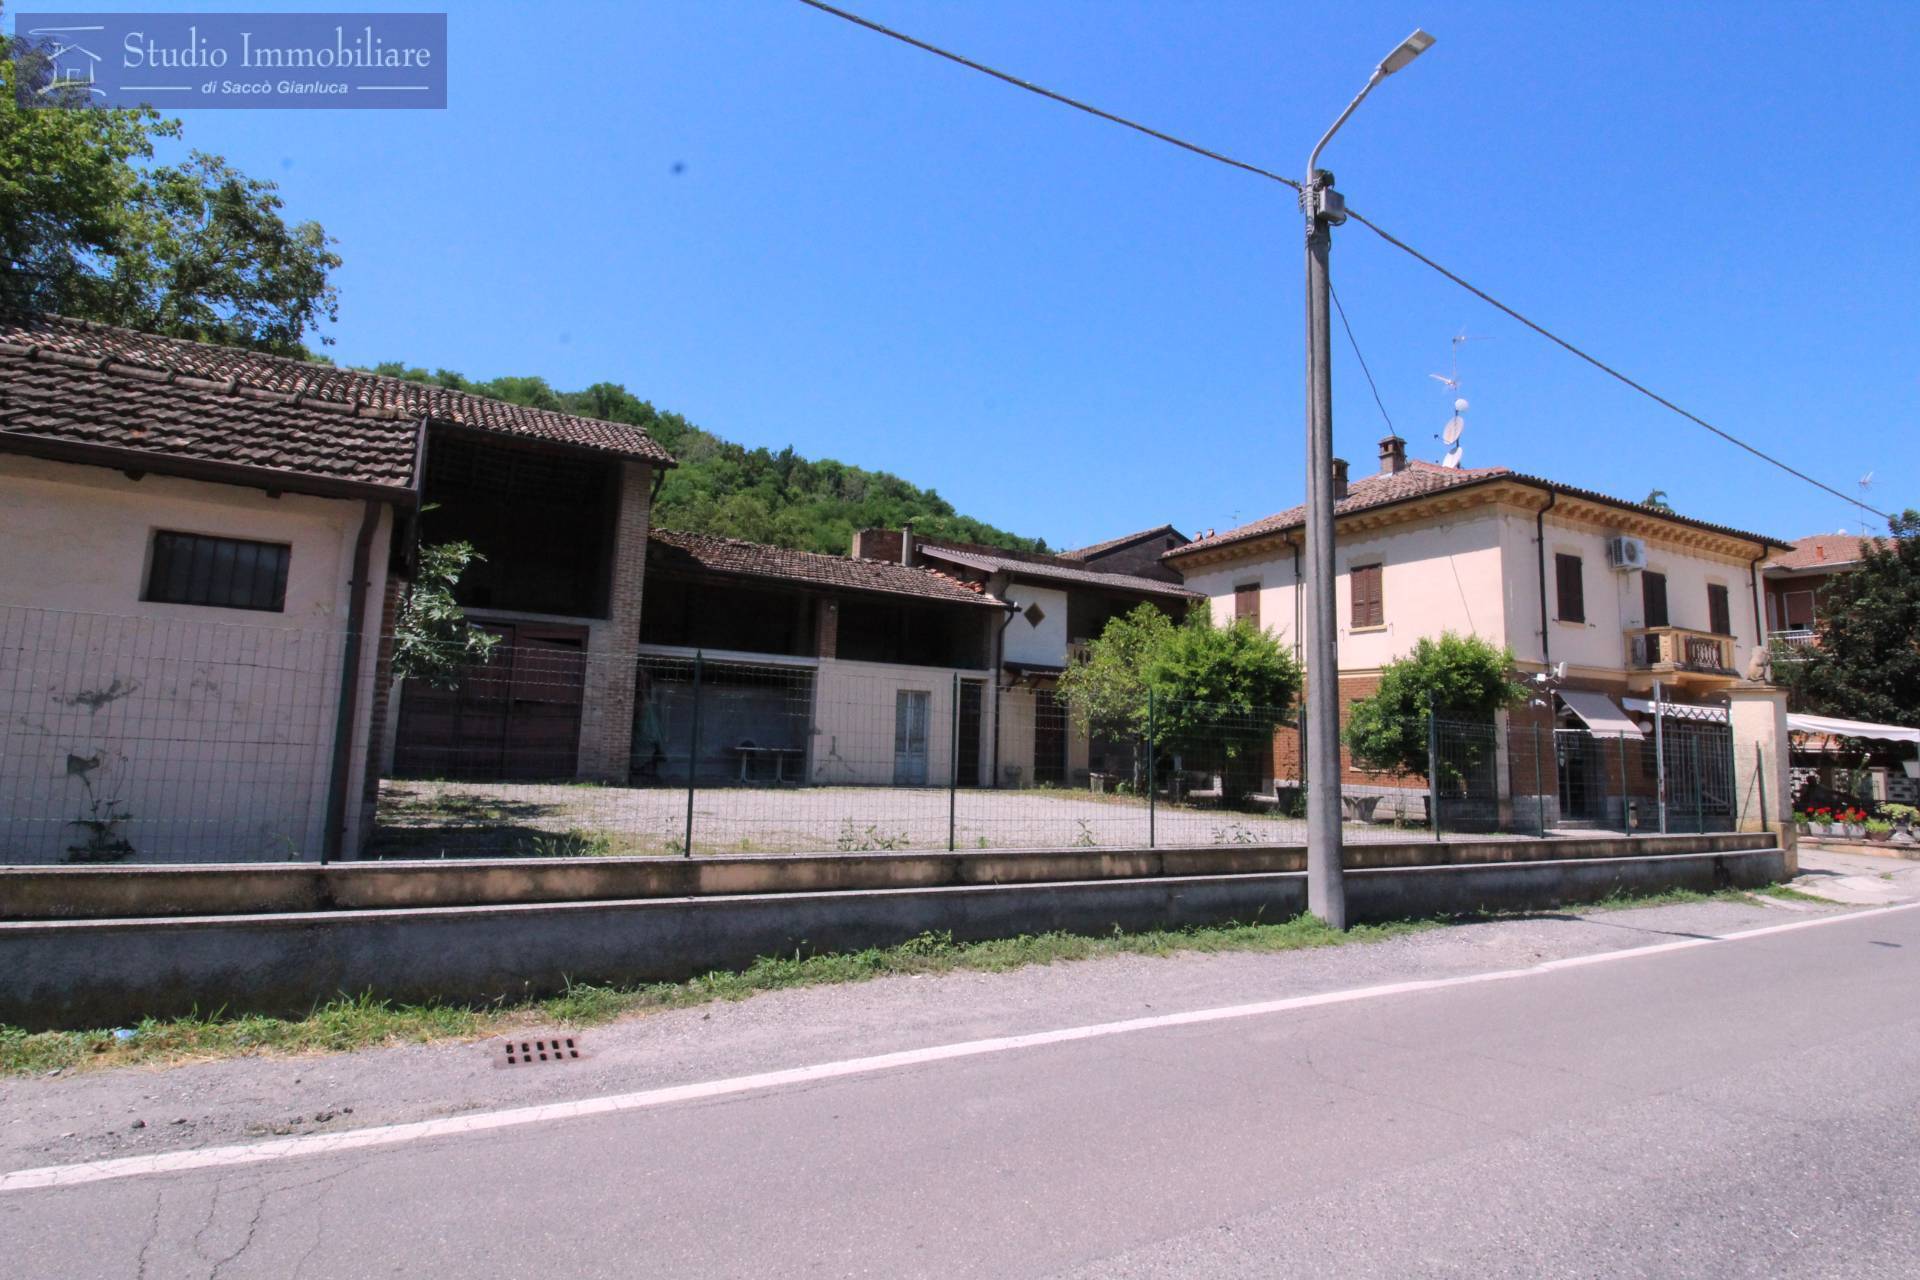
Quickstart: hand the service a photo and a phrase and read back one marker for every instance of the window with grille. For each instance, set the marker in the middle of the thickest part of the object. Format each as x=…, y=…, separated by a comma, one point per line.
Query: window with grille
x=1368, y=608
x=1246, y=603
x=1572, y=591
x=1719, y=610
x=223, y=573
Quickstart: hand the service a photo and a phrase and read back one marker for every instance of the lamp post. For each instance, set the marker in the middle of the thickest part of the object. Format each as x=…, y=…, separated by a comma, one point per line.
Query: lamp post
x=1324, y=209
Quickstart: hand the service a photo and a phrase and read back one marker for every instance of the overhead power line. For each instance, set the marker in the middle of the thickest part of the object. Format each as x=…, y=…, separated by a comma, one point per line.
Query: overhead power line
x=1045, y=92
x=1352, y=341
x=1391, y=239
x=1608, y=369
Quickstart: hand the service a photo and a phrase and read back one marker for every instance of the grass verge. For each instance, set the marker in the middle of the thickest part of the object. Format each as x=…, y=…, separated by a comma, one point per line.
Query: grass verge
x=362, y=1022
x=365, y=1022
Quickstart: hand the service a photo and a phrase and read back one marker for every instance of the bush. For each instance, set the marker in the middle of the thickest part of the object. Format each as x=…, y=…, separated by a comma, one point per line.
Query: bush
x=1457, y=677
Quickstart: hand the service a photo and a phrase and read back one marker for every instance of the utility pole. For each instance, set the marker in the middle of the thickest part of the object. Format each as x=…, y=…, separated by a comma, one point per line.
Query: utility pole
x=1324, y=210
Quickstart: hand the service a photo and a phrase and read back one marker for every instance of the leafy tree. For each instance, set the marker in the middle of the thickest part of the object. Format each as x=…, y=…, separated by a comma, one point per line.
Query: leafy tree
x=1218, y=693
x=89, y=228
x=432, y=639
x=1460, y=677
x=1866, y=662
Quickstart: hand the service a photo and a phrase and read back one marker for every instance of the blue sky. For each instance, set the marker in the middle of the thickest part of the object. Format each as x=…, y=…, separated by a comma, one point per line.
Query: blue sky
x=796, y=232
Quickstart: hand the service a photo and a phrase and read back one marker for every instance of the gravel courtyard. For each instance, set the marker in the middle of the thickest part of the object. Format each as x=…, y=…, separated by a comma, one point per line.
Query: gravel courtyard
x=429, y=819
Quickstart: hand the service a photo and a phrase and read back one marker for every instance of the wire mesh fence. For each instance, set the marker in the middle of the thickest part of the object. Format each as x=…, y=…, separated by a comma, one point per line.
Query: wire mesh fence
x=131, y=739
x=141, y=739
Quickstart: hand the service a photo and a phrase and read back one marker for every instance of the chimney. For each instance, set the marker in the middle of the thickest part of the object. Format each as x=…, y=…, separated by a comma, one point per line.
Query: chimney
x=1393, y=456
x=907, y=549
x=1339, y=479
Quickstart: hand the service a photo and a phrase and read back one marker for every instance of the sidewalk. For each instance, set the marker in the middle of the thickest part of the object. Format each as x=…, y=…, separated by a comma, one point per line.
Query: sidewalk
x=1857, y=879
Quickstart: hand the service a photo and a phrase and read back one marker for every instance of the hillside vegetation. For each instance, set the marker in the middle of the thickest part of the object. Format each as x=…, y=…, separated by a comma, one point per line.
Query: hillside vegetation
x=724, y=488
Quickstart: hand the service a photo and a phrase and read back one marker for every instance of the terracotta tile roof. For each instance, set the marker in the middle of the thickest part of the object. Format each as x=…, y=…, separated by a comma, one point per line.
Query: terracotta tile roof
x=1822, y=551
x=60, y=409
x=1083, y=553
x=1025, y=568
x=690, y=552
x=275, y=386
x=1421, y=479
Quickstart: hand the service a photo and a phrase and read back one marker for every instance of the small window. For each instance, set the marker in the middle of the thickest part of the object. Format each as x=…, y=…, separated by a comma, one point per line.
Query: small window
x=224, y=573
x=1246, y=603
x=1719, y=611
x=1573, y=597
x=1653, y=596
x=1367, y=609
x=1035, y=615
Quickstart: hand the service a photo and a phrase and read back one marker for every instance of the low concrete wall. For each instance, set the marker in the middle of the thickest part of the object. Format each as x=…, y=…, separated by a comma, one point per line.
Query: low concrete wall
x=112, y=972
x=95, y=893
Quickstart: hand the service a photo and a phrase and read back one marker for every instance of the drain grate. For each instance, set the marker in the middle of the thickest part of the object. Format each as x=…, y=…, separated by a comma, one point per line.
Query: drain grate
x=523, y=1053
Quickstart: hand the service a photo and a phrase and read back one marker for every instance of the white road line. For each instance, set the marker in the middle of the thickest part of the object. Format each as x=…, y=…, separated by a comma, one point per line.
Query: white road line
x=391, y=1135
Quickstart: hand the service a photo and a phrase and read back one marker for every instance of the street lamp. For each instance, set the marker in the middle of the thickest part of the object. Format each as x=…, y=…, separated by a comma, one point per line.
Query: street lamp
x=1324, y=209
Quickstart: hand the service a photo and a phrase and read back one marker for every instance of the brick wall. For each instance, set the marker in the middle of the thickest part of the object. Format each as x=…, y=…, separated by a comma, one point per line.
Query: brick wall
x=1286, y=745
x=606, y=712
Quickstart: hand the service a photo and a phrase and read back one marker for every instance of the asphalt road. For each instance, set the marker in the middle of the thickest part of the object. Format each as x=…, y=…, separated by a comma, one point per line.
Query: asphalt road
x=1739, y=1108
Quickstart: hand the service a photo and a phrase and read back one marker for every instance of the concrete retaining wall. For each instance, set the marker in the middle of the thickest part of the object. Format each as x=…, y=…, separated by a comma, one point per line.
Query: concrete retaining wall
x=113, y=972
x=93, y=893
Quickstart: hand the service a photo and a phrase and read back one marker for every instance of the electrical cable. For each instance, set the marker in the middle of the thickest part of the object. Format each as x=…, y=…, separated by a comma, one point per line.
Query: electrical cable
x=1608, y=369
x=1391, y=239
x=1362, y=359
x=1044, y=92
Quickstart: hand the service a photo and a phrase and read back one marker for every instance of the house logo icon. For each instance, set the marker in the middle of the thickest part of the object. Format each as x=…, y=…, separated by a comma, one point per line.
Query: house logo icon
x=73, y=65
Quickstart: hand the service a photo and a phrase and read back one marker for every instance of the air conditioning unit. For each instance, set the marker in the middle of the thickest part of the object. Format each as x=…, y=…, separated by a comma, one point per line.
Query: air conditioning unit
x=1626, y=554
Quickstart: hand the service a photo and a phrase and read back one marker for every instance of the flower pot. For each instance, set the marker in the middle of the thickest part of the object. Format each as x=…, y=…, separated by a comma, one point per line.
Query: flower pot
x=1801, y=827
x=1855, y=830
x=1879, y=837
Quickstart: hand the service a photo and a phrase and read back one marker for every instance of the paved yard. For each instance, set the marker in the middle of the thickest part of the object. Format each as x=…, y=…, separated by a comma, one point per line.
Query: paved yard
x=549, y=819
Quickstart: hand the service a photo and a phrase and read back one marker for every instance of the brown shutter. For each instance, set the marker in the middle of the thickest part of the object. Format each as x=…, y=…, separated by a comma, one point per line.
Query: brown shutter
x=1368, y=607
x=1719, y=614
x=1573, y=600
x=1653, y=597
x=1246, y=603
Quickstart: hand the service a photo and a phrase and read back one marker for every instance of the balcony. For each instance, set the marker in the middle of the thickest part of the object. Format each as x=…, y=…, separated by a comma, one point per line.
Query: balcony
x=1794, y=637
x=1681, y=655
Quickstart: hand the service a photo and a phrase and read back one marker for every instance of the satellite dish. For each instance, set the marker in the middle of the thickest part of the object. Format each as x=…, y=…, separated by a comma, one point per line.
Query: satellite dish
x=1452, y=461
x=1451, y=432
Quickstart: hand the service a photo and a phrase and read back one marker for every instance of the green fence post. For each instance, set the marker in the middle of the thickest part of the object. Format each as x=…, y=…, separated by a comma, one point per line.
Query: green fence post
x=1539, y=794
x=953, y=760
x=1760, y=780
x=1433, y=770
x=1626, y=802
x=1699, y=785
x=693, y=756
x=1153, y=770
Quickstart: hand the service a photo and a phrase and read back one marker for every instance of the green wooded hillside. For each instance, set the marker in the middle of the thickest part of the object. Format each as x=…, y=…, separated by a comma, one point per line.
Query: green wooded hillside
x=756, y=494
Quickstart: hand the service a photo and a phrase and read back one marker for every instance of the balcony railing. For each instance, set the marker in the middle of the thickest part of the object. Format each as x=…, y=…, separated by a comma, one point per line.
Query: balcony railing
x=1678, y=649
x=1798, y=637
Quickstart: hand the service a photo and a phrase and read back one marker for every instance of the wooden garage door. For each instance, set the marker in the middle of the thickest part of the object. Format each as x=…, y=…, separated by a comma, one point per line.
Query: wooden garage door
x=516, y=717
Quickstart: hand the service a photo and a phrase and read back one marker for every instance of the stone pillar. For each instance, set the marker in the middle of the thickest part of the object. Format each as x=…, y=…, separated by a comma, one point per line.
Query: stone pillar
x=1759, y=717
x=606, y=714
x=826, y=628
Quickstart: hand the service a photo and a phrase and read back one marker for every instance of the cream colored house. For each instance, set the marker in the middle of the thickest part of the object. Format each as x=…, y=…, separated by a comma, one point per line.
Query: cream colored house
x=1622, y=593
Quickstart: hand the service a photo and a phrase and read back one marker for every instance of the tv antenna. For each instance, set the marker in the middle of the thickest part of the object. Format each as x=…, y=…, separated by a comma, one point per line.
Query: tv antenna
x=1866, y=491
x=1456, y=425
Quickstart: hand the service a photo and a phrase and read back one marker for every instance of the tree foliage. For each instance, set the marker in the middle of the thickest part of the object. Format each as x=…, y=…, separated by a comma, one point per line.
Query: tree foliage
x=1866, y=663
x=1459, y=677
x=1217, y=693
x=761, y=495
x=91, y=228
x=432, y=639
